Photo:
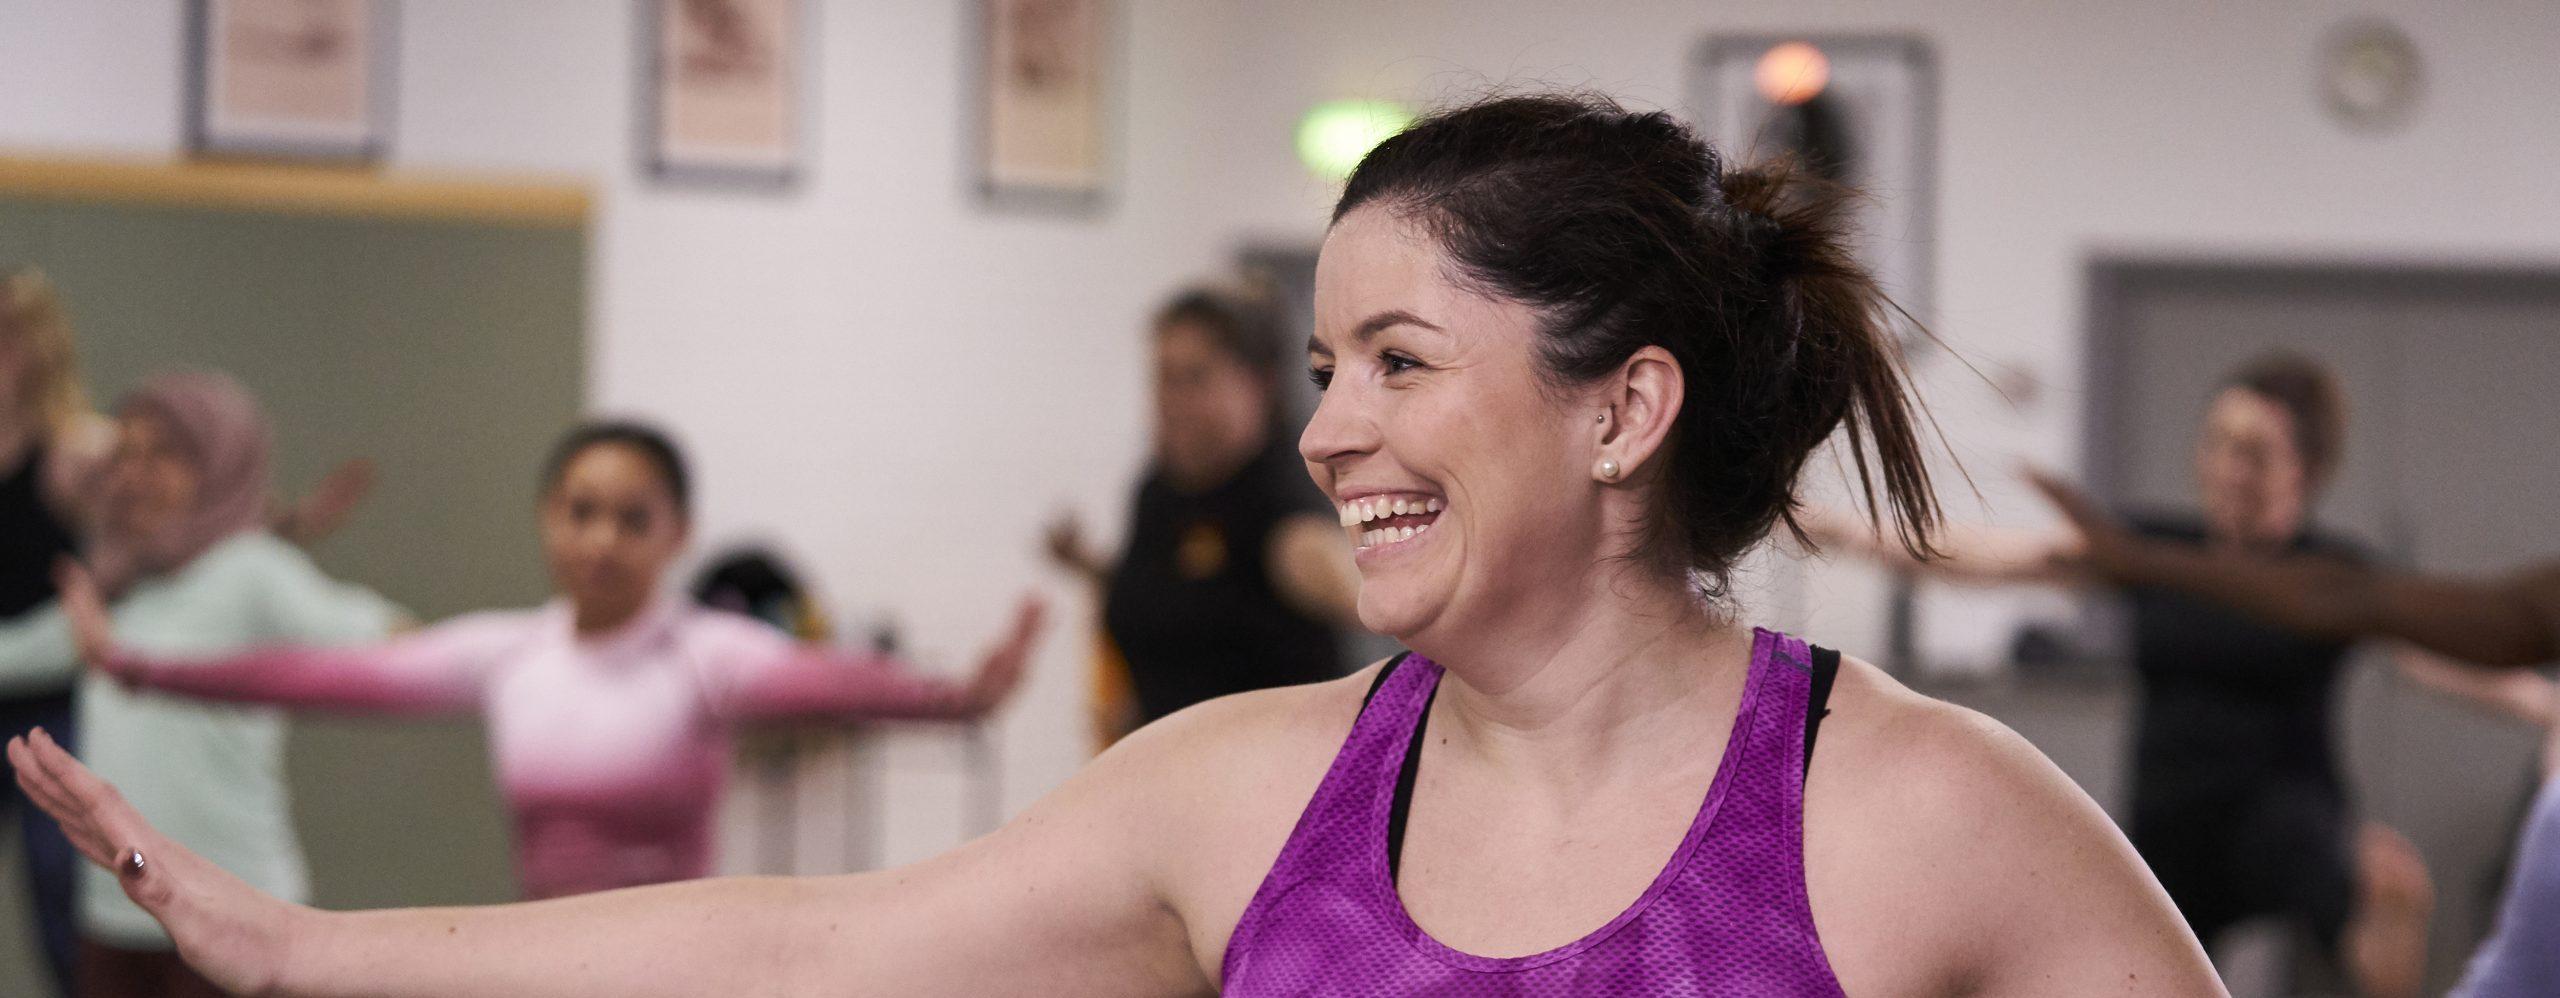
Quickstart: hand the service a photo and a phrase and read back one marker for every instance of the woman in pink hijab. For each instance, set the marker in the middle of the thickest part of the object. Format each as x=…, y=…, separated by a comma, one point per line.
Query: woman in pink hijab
x=181, y=546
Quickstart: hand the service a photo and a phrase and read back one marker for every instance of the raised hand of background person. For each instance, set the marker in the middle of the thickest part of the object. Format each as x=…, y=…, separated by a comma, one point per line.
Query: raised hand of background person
x=1000, y=671
x=320, y=513
x=1068, y=550
x=228, y=931
x=85, y=608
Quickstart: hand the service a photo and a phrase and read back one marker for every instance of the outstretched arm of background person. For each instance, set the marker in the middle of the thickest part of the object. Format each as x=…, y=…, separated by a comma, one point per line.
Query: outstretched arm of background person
x=1311, y=568
x=778, y=678
x=436, y=670
x=2509, y=621
x=1968, y=553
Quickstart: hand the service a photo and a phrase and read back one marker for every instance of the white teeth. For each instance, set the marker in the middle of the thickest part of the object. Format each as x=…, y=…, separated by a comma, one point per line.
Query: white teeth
x=1406, y=535
x=1359, y=511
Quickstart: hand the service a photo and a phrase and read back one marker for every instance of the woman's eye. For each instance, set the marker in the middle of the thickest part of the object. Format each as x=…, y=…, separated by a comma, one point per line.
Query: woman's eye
x=1321, y=377
x=1397, y=363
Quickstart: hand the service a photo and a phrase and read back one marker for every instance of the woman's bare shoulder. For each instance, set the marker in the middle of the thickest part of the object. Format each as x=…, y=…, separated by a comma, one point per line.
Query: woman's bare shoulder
x=1248, y=744
x=1940, y=842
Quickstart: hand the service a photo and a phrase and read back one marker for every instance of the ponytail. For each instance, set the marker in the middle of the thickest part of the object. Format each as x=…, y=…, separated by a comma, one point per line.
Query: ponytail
x=1841, y=325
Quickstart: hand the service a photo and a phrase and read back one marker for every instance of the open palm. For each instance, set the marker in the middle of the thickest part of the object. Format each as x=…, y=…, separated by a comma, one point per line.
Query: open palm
x=227, y=930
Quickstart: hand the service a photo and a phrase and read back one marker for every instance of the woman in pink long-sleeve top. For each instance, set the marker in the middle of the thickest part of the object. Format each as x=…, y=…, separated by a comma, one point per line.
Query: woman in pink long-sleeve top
x=609, y=709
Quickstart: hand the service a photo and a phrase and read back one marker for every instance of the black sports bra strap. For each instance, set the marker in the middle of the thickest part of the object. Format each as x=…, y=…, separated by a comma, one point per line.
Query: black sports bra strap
x=1817, y=704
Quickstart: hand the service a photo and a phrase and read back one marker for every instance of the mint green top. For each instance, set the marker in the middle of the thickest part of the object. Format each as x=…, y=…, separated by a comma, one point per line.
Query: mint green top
x=209, y=775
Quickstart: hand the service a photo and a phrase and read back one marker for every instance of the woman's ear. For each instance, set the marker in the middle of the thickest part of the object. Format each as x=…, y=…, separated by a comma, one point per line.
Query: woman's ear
x=1639, y=406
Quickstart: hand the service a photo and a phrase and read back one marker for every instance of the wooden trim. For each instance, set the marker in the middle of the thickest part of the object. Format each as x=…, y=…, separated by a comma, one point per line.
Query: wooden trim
x=301, y=189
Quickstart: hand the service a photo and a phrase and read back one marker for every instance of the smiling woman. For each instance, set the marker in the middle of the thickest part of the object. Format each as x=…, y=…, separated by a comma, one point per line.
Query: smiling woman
x=1597, y=359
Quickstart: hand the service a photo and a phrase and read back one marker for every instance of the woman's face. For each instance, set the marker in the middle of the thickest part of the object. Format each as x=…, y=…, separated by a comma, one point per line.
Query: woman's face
x=1433, y=405
x=151, y=481
x=610, y=528
x=1211, y=408
x=2256, y=486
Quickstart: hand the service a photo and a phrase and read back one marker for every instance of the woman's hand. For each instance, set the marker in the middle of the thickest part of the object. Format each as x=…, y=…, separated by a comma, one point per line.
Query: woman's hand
x=1000, y=672
x=92, y=629
x=322, y=512
x=228, y=931
x=1067, y=548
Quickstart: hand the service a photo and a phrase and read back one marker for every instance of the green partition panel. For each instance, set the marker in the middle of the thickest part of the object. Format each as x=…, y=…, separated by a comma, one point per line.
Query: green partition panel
x=449, y=353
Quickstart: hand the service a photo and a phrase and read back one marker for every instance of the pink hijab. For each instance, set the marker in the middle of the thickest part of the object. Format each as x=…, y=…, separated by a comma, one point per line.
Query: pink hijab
x=219, y=426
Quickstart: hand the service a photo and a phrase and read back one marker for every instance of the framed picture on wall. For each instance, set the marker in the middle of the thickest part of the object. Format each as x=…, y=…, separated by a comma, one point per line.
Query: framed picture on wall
x=725, y=89
x=1043, y=103
x=1856, y=108
x=298, y=79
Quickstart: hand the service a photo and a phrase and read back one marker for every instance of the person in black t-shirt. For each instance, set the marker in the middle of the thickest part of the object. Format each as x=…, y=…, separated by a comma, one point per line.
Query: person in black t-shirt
x=2238, y=804
x=1236, y=576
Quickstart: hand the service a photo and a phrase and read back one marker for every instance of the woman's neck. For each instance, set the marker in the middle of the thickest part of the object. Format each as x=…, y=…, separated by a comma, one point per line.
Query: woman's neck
x=601, y=622
x=1633, y=661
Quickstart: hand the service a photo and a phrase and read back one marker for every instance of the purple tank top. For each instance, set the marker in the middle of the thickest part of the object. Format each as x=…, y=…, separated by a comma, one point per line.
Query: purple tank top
x=1727, y=916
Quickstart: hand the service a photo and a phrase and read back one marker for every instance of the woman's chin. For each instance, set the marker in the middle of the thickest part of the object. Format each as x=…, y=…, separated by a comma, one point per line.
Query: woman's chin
x=1383, y=610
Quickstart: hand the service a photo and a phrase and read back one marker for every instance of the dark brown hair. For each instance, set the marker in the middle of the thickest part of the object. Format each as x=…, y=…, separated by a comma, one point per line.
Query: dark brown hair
x=2308, y=391
x=1624, y=230
x=1241, y=321
x=652, y=444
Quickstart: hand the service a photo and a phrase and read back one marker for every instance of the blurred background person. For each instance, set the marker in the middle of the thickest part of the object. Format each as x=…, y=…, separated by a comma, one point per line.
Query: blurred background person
x=2239, y=804
x=182, y=549
x=54, y=447
x=610, y=709
x=1234, y=575
x=2496, y=627
x=52, y=444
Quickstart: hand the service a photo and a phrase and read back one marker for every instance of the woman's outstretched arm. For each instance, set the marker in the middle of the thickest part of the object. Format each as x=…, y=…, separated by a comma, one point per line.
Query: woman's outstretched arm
x=1065, y=900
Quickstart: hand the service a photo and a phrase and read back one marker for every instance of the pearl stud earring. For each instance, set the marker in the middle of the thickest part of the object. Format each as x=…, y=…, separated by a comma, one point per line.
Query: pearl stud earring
x=1608, y=470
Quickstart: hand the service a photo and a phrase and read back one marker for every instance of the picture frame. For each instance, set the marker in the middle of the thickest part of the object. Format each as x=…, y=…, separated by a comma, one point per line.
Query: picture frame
x=291, y=79
x=726, y=90
x=1869, y=120
x=1044, y=94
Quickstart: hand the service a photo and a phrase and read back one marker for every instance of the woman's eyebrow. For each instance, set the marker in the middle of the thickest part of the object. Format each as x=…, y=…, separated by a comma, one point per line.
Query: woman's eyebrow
x=1370, y=327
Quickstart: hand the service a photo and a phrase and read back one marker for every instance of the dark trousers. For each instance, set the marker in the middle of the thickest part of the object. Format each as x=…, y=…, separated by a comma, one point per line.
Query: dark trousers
x=108, y=972
x=51, y=863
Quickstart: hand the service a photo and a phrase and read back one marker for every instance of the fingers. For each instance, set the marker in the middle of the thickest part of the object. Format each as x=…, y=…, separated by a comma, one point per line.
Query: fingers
x=114, y=824
x=49, y=794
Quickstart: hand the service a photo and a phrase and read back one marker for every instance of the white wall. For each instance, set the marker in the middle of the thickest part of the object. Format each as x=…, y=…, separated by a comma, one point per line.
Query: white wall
x=899, y=383
x=905, y=385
